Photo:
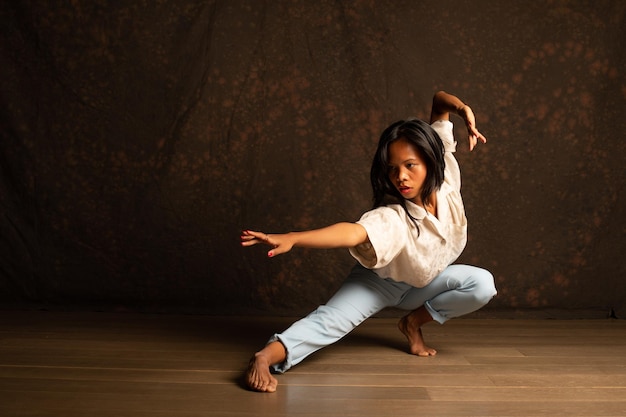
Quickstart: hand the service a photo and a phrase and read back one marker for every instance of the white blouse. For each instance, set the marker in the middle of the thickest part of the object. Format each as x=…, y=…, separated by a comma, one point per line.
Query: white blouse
x=396, y=251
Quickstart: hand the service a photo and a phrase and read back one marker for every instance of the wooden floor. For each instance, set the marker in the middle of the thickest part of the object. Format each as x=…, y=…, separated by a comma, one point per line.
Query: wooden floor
x=101, y=364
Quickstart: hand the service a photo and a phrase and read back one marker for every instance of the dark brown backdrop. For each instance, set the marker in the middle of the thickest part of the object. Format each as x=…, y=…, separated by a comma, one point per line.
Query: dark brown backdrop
x=139, y=138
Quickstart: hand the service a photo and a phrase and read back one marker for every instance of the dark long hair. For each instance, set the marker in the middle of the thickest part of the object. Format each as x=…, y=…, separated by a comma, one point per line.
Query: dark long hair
x=428, y=144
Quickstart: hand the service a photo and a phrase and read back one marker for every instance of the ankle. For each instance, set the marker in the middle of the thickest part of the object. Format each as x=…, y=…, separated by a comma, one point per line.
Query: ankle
x=261, y=356
x=272, y=353
x=419, y=317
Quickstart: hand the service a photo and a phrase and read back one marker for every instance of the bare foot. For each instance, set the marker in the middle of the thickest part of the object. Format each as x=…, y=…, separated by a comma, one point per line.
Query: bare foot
x=411, y=328
x=258, y=376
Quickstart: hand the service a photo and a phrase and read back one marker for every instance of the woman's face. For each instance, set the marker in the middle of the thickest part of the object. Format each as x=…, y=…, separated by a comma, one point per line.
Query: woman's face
x=406, y=169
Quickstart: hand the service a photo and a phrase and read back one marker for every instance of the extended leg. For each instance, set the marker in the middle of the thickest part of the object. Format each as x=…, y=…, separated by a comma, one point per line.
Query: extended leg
x=361, y=295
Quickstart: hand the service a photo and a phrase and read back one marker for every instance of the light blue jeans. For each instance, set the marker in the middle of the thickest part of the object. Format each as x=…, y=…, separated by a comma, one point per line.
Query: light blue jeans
x=458, y=290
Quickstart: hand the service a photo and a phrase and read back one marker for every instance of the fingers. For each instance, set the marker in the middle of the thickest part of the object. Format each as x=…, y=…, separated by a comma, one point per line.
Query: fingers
x=474, y=137
x=250, y=237
x=247, y=238
x=479, y=135
x=472, y=142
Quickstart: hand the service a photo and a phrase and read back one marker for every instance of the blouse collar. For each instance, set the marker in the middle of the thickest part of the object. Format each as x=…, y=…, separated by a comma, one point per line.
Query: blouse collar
x=418, y=212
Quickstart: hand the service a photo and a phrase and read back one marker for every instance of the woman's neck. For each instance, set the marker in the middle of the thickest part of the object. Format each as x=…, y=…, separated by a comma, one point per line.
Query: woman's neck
x=431, y=204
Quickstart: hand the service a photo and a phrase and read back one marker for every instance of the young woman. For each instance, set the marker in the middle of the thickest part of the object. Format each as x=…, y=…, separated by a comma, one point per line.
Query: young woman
x=405, y=246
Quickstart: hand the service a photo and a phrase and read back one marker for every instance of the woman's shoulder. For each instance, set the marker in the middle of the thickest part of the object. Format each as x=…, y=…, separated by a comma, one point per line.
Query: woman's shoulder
x=395, y=212
x=387, y=210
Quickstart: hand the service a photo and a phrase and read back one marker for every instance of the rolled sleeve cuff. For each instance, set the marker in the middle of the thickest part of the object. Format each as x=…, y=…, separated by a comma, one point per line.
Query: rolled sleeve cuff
x=385, y=231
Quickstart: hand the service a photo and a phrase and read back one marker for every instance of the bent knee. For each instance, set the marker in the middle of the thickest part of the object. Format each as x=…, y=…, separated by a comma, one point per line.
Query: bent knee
x=484, y=288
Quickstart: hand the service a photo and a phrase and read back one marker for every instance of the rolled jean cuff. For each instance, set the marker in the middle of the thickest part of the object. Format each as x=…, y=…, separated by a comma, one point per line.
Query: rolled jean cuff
x=435, y=314
x=286, y=364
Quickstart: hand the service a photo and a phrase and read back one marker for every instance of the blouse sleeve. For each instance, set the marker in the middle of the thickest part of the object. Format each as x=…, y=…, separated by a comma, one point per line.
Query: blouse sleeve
x=444, y=129
x=387, y=235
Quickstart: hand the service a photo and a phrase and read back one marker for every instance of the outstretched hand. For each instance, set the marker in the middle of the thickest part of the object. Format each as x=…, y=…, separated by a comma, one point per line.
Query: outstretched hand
x=474, y=136
x=280, y=243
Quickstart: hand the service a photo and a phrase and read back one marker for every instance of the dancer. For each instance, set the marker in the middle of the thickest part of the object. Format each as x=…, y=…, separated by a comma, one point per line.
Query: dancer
x=405, y=246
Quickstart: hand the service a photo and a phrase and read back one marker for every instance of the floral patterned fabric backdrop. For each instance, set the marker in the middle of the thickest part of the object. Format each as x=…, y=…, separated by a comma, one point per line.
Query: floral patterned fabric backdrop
x=140, y=138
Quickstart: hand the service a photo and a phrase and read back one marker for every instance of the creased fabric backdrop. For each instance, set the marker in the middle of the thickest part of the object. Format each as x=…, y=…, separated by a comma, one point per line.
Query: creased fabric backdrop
x=140, y=137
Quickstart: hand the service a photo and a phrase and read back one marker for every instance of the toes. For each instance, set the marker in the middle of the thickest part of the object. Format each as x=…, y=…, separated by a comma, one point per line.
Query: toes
x=271, y=387
x=261, y=384
x=266, y=386
x=428, y=352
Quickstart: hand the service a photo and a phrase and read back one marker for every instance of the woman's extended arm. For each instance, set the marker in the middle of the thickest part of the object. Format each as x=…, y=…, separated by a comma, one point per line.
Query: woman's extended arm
x=339, y=235
x=444, y=104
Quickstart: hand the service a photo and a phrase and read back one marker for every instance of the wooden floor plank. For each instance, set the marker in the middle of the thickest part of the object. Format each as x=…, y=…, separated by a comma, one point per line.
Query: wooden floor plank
x=539, y=394
x=187, y=376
